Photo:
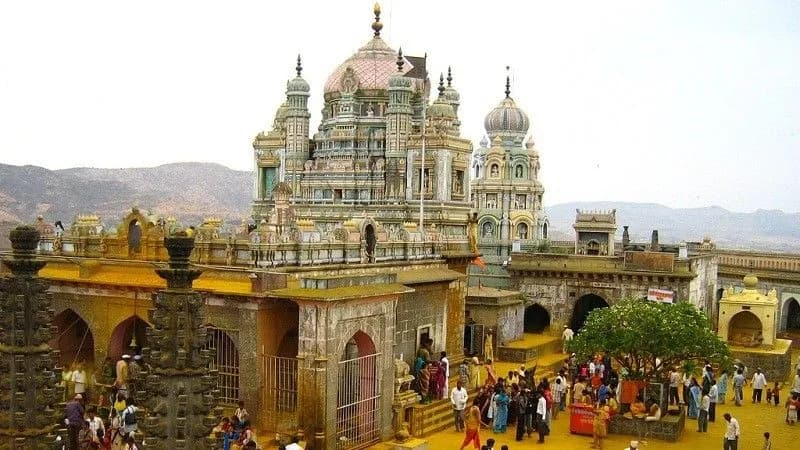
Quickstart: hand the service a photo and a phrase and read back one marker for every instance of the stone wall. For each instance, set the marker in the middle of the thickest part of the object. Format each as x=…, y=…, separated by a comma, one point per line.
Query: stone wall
x=702, y=288
x=776, y=367
x=424, y=307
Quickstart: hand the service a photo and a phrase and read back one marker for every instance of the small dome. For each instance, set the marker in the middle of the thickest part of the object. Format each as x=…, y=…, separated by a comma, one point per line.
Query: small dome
x=450, y=93
x=298, y=84
x=441, y=107
x=750, y=281
x=506, y=118
x=484, y=141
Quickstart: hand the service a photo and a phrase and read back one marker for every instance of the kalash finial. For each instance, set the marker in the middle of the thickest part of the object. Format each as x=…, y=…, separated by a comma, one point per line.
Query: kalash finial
x=400, y=61
x=377, y=26
x=449, y=77
x=441, y=84
x=299, y=67
x=508, y=82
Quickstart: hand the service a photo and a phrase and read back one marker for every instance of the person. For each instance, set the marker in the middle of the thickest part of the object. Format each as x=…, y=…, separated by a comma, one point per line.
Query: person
x=702, y=419
x=96, y=427
x=424, y=382
x=247, y=435
x=559, y=392
x=463, y=373
x=474, y=374
x=128, y=418
x=738, y=387
x=114, y=434
x=74, y=421
x=634, y=445
x=653, y=413
x=79, y=379
x=459, y=397
x=732, y=431
x=776, y=393
x=613, y=405
x=501, y=401
x=687, y=383
x=472, y=425
x=577, y=390
x=722, y=387
x=541, y=417
x=490, y=444
x=759, y=383
x=130, y=443
x=295, y=444
x=488, y=349
x=694, y=399
x=674, y=381
x=241, y=412
x=491, y=376
x=445, y=363
x=600, y=425
x=713, y=398
x=767, y=442
x=121, y=382
x=637, y=409
x=566, y=336
x=520, y=403
x=791, y=409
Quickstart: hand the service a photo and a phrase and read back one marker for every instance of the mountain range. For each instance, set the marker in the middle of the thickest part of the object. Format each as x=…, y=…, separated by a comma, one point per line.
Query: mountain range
x=194, y=191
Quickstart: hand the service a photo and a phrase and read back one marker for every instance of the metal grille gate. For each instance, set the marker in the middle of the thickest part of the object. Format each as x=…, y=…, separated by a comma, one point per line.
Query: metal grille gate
x=358, y=420
x=473, y=339
x=280, y=393
x=226, y=362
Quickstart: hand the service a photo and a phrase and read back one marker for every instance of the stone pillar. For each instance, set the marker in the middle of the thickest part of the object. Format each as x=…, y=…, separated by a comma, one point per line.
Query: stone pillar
x=654, y=247
x=626, y=238
x=30, y=412
x=180, y=394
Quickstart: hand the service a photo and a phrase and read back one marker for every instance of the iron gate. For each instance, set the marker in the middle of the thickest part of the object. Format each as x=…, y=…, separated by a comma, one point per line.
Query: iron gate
x=280, y=393
x=358, y=418
x=226, y=361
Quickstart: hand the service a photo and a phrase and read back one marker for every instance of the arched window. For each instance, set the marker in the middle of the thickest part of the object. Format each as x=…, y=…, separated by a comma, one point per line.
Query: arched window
x=519, y=171
x=495, y=171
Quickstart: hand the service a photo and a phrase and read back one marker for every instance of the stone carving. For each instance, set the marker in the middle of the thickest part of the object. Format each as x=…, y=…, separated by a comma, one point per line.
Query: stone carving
x=180, y=395
x=29, y=394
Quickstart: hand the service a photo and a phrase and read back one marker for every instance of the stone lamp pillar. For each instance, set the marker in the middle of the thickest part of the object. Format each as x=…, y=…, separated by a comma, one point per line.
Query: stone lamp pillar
x=30, y=409
x=180, y=395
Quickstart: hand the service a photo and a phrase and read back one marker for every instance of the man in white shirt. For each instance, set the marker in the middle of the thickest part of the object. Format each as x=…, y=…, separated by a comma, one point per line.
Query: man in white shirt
x=713, y=397
x=566, y=336
x=759, y=383
x=446, y=365
x=796, y=383
x=674, y=381
x=295, y=444
x=702, y=419
x=731, y=441
x=459, y=397
x=79, y=379
x=541, y=417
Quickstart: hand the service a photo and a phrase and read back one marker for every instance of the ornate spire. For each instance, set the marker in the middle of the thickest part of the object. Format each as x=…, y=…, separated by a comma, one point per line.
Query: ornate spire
x=299, y=67
x=449, y=77
x=400, y=61
x=377, y=26
x=441, y=84
x=508, y=82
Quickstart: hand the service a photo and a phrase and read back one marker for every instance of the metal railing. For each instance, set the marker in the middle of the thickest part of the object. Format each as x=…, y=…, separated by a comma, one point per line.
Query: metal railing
x=358, y=403
x=226, y=362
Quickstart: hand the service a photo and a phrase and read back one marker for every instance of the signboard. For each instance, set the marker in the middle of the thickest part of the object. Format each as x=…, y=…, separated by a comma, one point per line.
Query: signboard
x=649, y=261
x=660, y=295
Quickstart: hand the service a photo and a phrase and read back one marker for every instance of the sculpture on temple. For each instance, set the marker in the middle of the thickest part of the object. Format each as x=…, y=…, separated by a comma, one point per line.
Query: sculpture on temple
x=181, y=391
x=29, y=394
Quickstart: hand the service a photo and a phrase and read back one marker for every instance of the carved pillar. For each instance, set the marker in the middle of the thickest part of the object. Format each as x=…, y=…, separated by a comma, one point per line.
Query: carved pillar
x=181, y=392
x=29, y=396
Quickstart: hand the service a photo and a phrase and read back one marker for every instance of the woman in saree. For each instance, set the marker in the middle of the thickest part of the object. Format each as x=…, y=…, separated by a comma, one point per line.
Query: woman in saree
x=695, y=394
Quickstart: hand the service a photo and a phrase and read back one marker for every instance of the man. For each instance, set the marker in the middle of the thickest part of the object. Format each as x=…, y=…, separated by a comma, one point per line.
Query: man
x=674, y=381
x=566, y=336
x=446, y=366
x=738, y=387
x=796, y=383
x=541, y=417
x=121, y=381
x=459, y=397
x=731, y=441
x=634, y=445
x=79, y=379
x=295, y=444
x=702, y=419
x=75, y=421
x=759, y=383
x=713, y=397
x=520, y=401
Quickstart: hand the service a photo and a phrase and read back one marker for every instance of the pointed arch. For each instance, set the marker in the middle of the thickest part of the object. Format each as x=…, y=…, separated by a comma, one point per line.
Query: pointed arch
x=358, y=413
x=226, y=362
x=73, y=339
x=122, y=337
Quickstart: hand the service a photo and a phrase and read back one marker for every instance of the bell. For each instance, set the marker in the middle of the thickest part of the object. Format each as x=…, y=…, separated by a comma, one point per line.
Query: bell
x=134, y=344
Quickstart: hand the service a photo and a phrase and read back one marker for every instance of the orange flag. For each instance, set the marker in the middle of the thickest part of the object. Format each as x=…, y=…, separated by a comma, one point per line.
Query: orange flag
x=478, y=261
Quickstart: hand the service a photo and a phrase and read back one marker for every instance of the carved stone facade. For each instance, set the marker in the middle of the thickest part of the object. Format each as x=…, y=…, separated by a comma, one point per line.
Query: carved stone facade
x=30, y=412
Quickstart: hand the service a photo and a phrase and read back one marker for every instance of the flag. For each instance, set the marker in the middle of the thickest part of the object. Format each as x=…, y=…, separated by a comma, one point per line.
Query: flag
x=478, y=261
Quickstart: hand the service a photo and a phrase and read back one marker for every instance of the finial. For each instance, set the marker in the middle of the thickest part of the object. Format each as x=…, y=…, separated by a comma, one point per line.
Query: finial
x=508, y=82
x=449, y=77
x=441, y=84
x=400, y=61
x=299, y=67
x=377, y=26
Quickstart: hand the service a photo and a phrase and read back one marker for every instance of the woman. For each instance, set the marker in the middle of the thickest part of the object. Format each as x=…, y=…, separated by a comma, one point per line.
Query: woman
x=722, y=387
x=472, y=425
x=600, y=425
x=491, y=377
x=695, y=393
x=791, y=409
x=501, y=401
x=474, y=374
x=115, y=438
x=247, y=435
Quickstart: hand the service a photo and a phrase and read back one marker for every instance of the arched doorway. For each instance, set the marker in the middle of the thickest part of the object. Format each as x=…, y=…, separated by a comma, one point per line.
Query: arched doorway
x=371, y=241
x=745, y=329
x=583, y=307
x=537, y=319
x=791, y=310
x=122, y=338
x=592, y=247
x=226, y=362
x=134, y=236
x=73, y=339
x=544, y=231
x=358, y=397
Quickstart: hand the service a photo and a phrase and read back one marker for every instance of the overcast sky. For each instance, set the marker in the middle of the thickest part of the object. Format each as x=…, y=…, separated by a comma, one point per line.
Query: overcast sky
x=685, y=103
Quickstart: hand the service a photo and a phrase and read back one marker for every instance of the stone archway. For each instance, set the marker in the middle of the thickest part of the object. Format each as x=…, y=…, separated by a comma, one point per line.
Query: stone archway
x=289, y=344
x=791, y=311
x=583, y=307
x=537, y=319
x=358, y=397
x=74, y=339
x=745, y=329
x=122, y=341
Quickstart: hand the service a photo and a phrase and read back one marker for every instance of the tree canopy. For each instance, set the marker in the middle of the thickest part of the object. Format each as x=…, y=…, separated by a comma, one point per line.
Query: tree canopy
x=649, y=338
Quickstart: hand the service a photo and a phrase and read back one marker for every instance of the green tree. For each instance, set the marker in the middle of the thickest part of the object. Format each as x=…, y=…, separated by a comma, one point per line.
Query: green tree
x=649, y=338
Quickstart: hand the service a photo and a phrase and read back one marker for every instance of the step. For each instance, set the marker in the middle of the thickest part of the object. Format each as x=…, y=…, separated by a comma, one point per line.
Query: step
x=434, y=417
x=524, y=350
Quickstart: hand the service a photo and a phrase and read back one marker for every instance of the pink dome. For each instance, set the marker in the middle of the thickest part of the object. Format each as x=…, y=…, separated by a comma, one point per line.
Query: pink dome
x=372, y=65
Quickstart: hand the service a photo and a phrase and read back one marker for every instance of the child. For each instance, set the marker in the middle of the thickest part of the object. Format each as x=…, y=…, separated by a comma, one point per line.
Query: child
x=769, y=396
x=776, y=394
x=767, y=442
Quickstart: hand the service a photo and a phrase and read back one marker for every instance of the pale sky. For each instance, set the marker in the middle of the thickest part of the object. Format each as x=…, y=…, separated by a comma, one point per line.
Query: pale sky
x=685, y=103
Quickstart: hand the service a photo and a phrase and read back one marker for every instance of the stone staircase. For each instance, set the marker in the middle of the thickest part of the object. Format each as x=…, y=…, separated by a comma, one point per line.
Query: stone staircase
x=434, y=417
x=544, y=353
